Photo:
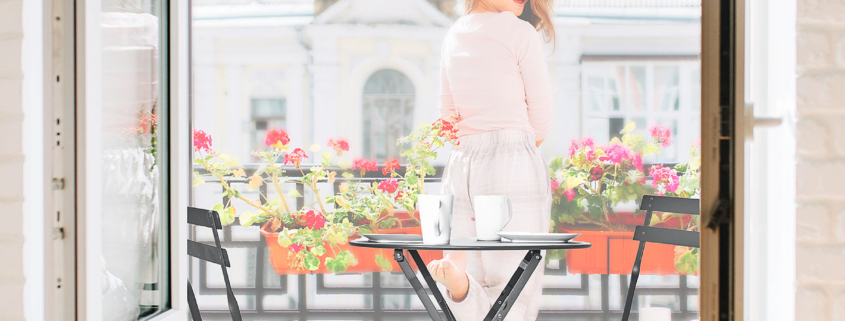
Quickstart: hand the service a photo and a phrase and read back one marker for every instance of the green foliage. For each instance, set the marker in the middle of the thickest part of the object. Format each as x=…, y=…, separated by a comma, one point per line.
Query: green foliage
x=342, y=261
x=383, y=263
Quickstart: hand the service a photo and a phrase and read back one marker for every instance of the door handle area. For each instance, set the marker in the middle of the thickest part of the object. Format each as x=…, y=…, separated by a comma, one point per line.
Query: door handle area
x=753, y=121
x=764, y=122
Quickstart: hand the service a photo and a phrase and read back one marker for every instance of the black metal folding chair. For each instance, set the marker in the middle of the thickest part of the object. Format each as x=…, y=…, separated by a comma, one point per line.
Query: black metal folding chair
x=214, y=254
x=646, y=233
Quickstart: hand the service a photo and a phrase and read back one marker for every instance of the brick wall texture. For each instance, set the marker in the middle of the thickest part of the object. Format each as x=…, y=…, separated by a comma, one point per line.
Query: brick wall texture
x=11, y=161
x=820, y=170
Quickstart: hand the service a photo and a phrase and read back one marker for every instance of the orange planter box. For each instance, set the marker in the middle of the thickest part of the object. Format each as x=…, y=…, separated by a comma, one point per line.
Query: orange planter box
x=366, y=256
x=614, y=253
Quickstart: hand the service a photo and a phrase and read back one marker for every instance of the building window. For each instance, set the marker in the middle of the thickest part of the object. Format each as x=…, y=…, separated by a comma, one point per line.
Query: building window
x=266, y=114
x=664, y=93
x=388, y=113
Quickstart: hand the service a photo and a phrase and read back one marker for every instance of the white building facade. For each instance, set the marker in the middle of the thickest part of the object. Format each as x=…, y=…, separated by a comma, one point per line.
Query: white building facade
x=367, y=71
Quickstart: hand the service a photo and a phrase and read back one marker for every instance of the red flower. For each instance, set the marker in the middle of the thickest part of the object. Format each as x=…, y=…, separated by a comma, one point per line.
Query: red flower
x=364, y=165
x=148, y=123
x=661, y=134
x=295, y=157
x=448, y=128
x=296, y=248
x=596, y=173
x=390, y=166
x=339, y=146
x=399, y=195
x=275, y=136
x=555, y=186
x=202, y=141
x=388, y=186
x=314, y=220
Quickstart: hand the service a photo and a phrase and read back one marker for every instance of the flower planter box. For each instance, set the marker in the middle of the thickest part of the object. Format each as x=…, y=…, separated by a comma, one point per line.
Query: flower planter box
x=281, y=262
x=614, y=252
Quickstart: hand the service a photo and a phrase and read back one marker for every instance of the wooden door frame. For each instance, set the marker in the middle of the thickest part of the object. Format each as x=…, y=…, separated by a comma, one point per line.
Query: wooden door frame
x=723, y=137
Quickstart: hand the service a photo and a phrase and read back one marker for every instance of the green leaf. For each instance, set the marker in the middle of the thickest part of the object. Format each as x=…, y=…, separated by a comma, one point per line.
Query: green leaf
x=227, y=217
x=388, y=223
x=294, y=193
x=247, y=219
x=311, y=262
x=318, y=250
x=383, y=263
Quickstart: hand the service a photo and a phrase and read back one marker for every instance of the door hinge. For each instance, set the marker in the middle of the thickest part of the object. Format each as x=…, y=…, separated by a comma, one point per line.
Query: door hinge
x=58, y=183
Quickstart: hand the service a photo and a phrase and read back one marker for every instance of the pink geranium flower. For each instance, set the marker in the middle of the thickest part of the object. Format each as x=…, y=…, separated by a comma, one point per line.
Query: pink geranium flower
x=314, y=220
x=389, y=185
x=555, y=186
x=616, y=153
x=339, y=146
x=202, y=141
x=661, y=134
x=276, y=138
x=296, y=248
x=570, y=195
x=295, y=157
x=390, y=166
x=399, y=195
x=585, y=142
x=664, y=176
x=637, y=161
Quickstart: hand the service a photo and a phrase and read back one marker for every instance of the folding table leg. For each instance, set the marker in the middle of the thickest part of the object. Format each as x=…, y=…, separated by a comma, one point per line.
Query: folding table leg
x=432, y=284
x=635, y=274
x=399, y=256
x=511, y=291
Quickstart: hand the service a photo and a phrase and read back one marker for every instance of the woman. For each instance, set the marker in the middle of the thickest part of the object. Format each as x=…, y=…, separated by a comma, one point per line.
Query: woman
x=494, y=77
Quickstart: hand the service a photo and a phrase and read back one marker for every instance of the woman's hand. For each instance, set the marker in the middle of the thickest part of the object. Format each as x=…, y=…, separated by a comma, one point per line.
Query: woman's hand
x=539, y=142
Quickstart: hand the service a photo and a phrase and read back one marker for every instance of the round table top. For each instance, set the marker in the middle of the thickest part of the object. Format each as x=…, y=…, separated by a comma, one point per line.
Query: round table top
x=466, y=244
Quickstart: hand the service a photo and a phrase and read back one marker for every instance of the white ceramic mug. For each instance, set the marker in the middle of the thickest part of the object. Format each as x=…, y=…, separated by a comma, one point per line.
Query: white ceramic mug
x=436, y=217
x=490, y=212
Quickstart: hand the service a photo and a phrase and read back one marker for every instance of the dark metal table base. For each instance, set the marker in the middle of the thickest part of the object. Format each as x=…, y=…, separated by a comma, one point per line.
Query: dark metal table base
x=500, y=308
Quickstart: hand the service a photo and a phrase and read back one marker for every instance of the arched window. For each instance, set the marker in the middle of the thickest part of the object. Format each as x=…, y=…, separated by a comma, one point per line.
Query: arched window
x=388, y=113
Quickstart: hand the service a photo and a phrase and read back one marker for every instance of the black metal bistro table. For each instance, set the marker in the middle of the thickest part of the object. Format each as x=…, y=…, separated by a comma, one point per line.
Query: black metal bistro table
x=509, y=293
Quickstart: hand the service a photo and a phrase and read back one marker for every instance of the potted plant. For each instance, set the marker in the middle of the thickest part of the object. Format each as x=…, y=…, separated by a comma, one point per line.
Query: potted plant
x=594, y=181
x=314, y=239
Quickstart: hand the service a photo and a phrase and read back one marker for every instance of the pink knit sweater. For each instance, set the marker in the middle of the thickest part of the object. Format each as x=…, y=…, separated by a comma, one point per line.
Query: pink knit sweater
x=493, y=73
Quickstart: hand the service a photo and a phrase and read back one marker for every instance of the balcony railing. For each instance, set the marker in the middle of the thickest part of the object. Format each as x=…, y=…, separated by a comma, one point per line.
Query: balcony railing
x=263, y=295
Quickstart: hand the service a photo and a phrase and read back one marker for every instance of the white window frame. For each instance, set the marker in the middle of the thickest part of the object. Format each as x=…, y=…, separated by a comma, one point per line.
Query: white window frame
x=82, y=299
x=686, y=113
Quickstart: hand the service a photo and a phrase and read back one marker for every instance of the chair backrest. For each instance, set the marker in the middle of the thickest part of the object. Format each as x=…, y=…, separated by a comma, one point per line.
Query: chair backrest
x=651, y=203
x=214, y=254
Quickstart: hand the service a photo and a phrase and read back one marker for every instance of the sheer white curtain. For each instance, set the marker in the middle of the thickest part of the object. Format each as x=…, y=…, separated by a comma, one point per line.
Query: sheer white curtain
x=130, y=175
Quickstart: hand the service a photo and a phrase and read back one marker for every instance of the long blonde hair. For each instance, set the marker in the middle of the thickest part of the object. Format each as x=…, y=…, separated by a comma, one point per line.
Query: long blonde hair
x=538, y=13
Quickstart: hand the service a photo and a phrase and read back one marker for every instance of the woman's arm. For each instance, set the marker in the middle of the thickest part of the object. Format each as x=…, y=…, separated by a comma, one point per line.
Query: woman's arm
x=535, y=76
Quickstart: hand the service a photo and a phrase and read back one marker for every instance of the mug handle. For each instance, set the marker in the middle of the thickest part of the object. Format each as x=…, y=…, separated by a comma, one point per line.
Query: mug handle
x=510, y=214
x=436, y=221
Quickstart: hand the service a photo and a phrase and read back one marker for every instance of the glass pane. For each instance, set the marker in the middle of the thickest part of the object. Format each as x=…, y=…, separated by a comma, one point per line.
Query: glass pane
x=135, y=244
x=666, y=88
x=637, y=87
